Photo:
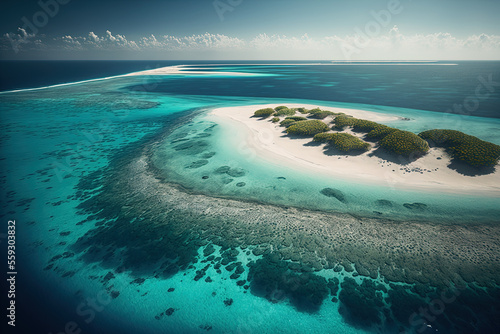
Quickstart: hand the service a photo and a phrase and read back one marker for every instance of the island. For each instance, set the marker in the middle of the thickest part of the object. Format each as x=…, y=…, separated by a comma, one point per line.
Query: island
x=356, y=144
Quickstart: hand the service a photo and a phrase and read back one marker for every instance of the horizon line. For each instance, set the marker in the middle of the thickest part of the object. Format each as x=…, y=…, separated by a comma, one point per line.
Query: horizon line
x=260, y=60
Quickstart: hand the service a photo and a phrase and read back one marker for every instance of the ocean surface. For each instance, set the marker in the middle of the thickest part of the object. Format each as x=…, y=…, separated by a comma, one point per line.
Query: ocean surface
x=110, y=246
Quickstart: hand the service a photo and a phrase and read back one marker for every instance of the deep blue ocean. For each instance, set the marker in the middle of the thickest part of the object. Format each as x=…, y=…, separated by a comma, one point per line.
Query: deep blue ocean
x=450, y=89
x=19, y=74
x=179, y=247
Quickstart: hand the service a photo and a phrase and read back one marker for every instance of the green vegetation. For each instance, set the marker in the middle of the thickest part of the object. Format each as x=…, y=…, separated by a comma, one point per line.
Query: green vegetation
x=343, y=121
x=342, y=141
x=287, y=122
x=357, y=124
x=376, y=131
x=320, y=114
x=284, y=112
x=264, y=113
x=380, y=132
x=297, y=118
x=365, y=126
x=464, y=147
x=307, y=128
x=404, y=143
x=322, y=137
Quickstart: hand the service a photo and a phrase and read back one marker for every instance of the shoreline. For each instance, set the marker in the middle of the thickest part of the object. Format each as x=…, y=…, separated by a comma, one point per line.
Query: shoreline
x=429, y=173
x=187, y=69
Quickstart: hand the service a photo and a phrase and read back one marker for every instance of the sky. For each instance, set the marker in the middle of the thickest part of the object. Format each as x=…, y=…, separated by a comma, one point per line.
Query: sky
x=250, y=29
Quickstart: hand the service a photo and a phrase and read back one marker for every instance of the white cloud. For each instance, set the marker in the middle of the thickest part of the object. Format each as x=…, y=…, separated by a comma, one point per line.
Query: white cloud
x=93, y=41
x=93, y=37
x=71, y=43
x=16, y=41
x=391, y=44
x=304, y=42
x=201, y=42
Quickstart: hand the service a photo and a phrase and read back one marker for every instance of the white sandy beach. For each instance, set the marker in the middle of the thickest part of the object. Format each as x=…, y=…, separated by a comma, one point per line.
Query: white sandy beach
x=271, y=143
x=185, y=69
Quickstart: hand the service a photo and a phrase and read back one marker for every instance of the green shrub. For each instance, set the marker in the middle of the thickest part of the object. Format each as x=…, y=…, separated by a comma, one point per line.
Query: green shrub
x=346, y=142
x=357, y=124
x=342, y=121
x=342, y=141
x=302, y=110
x=365, y=126
x=464, y=147
x=405, y=143
x=284, y=112
x=446, y=138
x=320, y=114
x=297, y=118
x=322, y=137
x=275, y=119
x=287, y=122
x=380, y=132
x=278, y=108
x=307, y=128
x=264, y=113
